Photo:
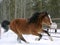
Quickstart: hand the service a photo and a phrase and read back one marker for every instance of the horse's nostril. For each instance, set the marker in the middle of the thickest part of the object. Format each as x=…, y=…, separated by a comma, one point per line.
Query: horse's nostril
x=50, y=23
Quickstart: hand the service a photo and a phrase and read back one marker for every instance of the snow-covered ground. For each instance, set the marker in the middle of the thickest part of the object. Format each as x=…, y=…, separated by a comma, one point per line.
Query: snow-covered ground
x=10, y=38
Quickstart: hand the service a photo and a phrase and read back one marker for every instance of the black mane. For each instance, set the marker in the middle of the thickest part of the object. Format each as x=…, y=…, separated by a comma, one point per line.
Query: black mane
x=34, y=18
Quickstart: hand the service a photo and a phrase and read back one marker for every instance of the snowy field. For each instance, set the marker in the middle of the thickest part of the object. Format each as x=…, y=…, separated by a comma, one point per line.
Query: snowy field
x=10, y=38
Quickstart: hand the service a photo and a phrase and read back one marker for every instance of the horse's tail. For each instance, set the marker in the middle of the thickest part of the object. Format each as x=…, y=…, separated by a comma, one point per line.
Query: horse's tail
x=5, y=24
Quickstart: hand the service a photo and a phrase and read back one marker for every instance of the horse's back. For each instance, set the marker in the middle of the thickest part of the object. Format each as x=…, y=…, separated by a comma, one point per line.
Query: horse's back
x=19, y=21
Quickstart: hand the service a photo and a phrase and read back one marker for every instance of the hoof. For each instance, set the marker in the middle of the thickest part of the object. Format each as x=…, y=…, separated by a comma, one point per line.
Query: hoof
x=51, y=38
x=37, y=39
x=19, y=41
x=27, y=42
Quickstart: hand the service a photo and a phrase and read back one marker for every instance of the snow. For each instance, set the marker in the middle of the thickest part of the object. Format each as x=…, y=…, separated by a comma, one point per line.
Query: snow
x=10, y=38
x=53, y=25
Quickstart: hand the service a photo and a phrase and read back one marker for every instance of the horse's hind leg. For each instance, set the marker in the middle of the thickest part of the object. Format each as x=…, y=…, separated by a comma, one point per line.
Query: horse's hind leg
x=18, y=39
x=40, y=36
x=37, y=34
x=48, y=34
x=21, y=37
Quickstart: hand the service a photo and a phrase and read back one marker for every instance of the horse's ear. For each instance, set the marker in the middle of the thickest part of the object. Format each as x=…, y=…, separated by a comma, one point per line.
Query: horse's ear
x=44, y=12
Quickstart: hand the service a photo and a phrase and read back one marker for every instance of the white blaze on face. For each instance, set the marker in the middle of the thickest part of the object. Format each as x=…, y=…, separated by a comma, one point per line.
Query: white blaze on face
x=50, y=18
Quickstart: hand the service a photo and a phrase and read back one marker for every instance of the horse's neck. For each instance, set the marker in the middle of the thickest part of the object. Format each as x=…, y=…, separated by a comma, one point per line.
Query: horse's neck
x=39, y=22
x=38, y=25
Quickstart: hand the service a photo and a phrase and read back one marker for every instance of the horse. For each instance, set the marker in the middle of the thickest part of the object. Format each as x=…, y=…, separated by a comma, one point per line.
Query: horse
x=32, y=25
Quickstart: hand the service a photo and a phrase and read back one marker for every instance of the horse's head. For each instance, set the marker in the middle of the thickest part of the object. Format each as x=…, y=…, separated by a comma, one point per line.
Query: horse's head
x=46, y=19
x=41, y=17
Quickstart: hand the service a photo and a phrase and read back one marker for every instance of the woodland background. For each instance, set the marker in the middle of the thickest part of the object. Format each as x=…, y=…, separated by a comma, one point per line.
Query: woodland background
x=11, y=9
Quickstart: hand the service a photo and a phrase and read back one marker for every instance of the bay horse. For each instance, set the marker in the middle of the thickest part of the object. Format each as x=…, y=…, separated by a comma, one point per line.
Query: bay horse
x=32, y=25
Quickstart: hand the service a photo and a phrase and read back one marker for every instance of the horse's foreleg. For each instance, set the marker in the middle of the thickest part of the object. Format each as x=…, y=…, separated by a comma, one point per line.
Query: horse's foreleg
x=48, y=30
x=48, y=35
x=55, y=30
